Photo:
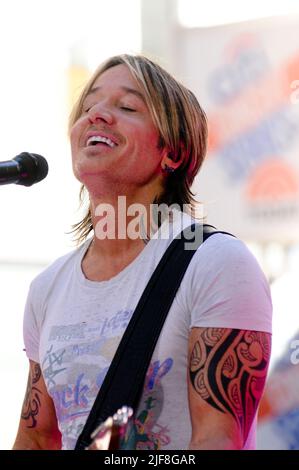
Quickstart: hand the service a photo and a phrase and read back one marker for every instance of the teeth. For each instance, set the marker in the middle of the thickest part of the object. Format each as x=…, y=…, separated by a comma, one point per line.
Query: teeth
x=98, y=138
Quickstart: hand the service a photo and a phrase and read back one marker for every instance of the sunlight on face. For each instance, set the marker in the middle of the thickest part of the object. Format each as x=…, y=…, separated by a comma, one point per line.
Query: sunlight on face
x=115, y=109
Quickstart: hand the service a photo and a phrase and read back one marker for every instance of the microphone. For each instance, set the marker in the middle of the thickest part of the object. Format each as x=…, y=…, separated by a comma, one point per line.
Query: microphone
x=25, y=169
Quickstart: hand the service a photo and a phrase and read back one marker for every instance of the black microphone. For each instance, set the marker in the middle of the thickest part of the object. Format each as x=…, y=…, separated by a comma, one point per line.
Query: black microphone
x=26, y=169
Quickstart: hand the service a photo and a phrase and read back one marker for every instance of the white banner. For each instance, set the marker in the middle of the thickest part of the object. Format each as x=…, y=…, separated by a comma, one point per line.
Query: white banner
x=246, y=76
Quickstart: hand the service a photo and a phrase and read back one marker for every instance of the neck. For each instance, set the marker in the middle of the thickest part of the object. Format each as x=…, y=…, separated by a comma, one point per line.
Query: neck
x=119, y=236
x=121, y=225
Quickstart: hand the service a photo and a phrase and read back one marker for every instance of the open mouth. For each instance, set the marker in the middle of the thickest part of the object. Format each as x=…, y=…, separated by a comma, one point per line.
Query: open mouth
x=98, y=140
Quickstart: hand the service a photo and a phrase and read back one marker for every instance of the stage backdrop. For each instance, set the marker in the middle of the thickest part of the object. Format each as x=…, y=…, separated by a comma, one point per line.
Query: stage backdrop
x=246, y=76
x=279, y=412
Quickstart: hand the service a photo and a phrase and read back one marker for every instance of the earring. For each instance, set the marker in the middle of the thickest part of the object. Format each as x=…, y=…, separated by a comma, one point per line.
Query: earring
x=168, y=169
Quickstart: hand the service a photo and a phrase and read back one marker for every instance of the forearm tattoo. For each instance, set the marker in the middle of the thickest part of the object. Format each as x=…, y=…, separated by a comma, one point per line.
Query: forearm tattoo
x=228, y=369
x=32, y=402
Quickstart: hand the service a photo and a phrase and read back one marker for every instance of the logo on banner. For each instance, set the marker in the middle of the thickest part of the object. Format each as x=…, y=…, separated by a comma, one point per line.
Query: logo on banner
x=254, y=128
x=273, y=190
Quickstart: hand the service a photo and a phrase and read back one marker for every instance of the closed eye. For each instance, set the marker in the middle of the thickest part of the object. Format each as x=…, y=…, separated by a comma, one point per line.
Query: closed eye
x=126, y=108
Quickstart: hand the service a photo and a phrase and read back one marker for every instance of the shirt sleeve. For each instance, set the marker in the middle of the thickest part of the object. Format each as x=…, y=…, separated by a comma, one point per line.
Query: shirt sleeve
x=227, y=288
x=30, y=325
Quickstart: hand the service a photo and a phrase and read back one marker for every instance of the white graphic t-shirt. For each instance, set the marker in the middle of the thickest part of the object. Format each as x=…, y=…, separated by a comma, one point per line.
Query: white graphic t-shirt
x=72, y=327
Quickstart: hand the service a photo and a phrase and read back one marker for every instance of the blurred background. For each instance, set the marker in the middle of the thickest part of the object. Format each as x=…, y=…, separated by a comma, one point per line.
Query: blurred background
x=242, y=61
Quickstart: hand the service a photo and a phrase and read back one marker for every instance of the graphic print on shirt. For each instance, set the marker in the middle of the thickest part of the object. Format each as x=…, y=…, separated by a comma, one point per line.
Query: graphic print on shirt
x=75, y=364
x=146, y=433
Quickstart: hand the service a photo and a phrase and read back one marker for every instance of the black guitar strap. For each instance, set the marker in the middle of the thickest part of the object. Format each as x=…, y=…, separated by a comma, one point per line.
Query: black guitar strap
x=124, y=380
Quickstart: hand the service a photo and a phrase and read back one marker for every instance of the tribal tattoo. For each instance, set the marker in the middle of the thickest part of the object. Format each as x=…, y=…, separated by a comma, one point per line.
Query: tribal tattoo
x=228, y=369
x=32, y=402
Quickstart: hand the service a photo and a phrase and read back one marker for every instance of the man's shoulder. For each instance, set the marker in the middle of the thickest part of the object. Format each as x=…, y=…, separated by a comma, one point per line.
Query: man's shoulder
x=224, y=243
x=60, y=265
x=222, y=251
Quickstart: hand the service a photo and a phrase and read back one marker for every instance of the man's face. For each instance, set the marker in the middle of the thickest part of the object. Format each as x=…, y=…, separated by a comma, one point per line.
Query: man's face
x=115, y=142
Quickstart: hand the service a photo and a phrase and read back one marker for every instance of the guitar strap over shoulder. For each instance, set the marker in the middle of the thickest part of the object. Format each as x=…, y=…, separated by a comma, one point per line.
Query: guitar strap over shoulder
x=124, y=380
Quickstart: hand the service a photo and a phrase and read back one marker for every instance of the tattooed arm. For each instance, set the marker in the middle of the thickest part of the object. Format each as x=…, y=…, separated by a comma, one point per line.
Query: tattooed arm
x=38, y=425
x=226, y=378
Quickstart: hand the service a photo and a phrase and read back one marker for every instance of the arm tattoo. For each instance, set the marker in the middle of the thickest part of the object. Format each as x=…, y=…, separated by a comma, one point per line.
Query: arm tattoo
x=32, y=400
x=228, y=369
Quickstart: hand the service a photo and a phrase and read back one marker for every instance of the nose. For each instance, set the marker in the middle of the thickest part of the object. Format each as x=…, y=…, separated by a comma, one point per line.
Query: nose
x=99, y=112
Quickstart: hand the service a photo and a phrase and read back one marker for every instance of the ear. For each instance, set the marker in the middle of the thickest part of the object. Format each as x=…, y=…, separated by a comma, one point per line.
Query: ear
x=169, y=160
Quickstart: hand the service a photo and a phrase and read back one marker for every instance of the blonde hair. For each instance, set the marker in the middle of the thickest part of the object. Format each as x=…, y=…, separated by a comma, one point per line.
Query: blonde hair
x=179, y=119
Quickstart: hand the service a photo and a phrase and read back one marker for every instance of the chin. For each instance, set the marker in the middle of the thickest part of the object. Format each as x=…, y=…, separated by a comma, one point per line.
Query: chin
x=96, y=184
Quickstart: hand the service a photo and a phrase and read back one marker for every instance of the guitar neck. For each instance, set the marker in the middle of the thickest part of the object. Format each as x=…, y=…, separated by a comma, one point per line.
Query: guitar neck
x=109, y=434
